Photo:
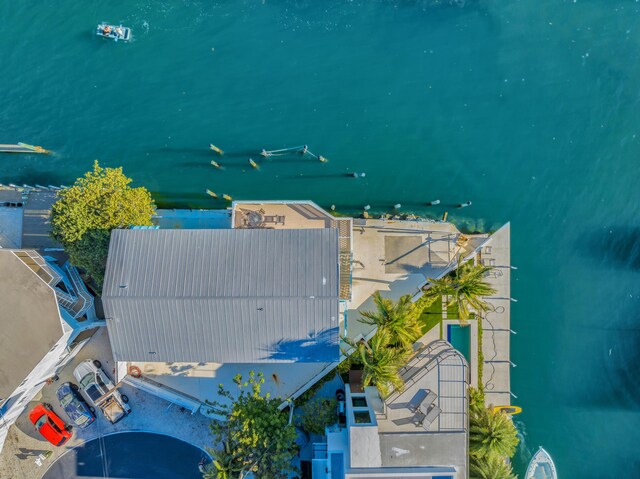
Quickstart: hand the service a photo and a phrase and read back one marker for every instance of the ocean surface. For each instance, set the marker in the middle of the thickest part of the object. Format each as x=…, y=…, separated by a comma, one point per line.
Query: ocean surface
x=527, y=108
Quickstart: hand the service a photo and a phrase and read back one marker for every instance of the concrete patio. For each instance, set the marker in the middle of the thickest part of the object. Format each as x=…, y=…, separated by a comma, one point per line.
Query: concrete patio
x=200, y=381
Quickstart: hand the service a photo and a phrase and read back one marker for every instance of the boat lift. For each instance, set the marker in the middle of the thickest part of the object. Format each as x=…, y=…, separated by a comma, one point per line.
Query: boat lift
x=302, y=150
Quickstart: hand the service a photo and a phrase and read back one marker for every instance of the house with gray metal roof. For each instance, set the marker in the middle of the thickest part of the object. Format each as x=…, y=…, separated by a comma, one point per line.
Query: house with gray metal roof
x=185, y=305
x=224, y=296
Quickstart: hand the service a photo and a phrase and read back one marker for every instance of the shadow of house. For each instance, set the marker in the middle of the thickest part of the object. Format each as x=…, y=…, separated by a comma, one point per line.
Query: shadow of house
x=317, y=347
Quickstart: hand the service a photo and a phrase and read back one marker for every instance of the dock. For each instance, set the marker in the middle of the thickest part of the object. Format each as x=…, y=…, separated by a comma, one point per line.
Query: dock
x=25, y=216
x=496, y=323
x=23, y=148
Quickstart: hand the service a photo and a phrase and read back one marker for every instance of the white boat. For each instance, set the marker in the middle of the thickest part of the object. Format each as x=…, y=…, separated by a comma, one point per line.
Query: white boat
x=114, y=32
x=541, y=466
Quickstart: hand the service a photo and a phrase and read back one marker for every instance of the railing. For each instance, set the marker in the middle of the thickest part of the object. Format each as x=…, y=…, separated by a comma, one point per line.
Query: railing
x=44, y=270
x=66, y=301
x=345, y=228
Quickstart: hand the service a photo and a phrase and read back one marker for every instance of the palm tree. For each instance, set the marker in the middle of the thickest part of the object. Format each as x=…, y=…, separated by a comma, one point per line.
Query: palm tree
x=491, y=434
x=490, y=468
x=466, y=287
x=226, y=464
x=395, y=318
x=380, y=361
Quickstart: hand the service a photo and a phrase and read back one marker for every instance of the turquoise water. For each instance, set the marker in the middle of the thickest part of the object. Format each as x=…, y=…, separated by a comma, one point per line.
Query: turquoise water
x=527, y=108
x=460, y=338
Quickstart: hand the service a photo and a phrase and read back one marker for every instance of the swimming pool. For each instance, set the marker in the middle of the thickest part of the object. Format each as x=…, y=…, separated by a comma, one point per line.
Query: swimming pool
x=460, y=338
x=129, y=455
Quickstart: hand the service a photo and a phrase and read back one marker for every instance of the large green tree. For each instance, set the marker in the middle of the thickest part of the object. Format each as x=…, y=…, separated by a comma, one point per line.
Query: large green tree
x=252, y=436
x=84, y=215
x=491, y=434
x=380, y=362
x=466, y=286
x=396, y=318
x=490, y=468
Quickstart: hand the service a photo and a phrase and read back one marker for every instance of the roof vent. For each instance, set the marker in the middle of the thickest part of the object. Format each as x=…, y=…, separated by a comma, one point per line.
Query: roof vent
x=123, y=286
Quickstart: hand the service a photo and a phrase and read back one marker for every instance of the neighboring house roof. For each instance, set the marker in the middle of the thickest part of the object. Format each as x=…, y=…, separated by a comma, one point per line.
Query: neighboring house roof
x=30, y=320
x=223, y=296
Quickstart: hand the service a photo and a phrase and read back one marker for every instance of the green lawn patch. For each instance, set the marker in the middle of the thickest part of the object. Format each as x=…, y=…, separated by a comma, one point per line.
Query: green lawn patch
x=431, y=316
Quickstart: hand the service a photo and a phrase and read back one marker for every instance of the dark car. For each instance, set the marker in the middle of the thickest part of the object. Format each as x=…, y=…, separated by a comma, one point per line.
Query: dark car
x=75, y=407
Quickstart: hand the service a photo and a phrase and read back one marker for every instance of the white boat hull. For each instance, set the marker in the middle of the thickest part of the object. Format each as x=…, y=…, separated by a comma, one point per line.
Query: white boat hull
x=541, y=466
x=113, y=32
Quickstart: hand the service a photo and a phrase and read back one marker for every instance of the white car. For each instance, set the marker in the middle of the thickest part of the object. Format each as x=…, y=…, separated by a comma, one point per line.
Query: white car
x=100, y=391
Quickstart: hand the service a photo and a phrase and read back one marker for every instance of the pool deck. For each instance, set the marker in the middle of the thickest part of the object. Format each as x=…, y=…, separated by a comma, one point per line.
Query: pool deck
x=398, y=257
x=149, y=414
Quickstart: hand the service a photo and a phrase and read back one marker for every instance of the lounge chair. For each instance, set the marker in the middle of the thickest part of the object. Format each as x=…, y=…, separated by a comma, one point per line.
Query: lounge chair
x=431, y=416
x=417, y=399
x=426, y=403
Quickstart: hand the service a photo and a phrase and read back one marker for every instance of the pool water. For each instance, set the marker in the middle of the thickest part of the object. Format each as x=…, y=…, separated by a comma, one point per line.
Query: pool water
x=460, y=338
x=131, y=455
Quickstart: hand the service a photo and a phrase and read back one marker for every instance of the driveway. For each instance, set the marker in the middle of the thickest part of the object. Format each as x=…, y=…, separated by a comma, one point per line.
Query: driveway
x=24, y=445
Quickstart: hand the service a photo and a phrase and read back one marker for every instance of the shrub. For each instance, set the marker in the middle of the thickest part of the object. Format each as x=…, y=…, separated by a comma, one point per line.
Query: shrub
x=318, y=414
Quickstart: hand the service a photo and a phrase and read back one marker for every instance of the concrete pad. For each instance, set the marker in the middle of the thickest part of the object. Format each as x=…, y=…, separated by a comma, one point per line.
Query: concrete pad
x=37, y=220
x=404, y=254
x=201, y=381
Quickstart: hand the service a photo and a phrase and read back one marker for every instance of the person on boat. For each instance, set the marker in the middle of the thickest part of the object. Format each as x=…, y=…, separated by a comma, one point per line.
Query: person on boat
x=107, y=30
x=119, y=30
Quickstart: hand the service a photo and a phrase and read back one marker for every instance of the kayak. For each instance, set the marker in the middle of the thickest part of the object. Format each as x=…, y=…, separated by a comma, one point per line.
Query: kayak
x=508, y=409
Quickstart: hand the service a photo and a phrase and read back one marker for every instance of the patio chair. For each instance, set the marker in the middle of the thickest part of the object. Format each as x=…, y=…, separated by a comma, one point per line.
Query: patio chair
x=431, y=416
x=417, y=399
x=426, y=403
x=280, y=219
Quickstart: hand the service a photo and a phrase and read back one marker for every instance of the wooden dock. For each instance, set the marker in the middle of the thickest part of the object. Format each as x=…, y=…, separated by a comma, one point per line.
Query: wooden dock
x=23, y=148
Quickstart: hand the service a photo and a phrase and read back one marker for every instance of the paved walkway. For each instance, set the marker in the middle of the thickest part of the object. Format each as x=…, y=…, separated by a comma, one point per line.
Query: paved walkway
x=149, y=414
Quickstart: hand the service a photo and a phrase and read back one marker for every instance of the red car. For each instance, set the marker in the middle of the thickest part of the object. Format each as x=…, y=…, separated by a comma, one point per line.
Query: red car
x=47, y=423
